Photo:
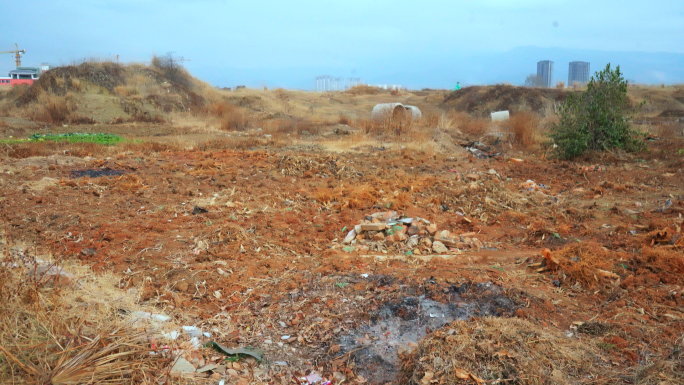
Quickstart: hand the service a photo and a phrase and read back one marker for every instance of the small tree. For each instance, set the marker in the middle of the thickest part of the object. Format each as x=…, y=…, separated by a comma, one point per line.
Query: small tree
x=534, y=80
x=596, y=120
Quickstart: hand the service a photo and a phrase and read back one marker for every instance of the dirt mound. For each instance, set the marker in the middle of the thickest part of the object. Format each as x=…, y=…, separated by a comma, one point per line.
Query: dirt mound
x=61, y=80
x=481, y=100
x=364, y=90
x=108, y=92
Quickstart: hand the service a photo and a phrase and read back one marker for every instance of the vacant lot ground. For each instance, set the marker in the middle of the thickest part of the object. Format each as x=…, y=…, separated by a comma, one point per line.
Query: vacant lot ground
x=489, y=265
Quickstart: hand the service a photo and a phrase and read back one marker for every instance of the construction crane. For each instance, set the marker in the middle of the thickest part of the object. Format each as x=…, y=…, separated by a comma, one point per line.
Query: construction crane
x=17, y=54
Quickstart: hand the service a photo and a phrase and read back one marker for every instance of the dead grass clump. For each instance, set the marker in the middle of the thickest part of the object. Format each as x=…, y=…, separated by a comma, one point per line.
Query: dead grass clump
x=130, y=182
x=667, y=264
x=363, y=90
x=523, y=126
x=125, y=91
x=511, y=351
x=585, y=263
x=49, y=335
x=344, y=119
x=360, y=197
x=298, y=126
x=47, y=148
x=668, y=131
x=515, y=217
x=401, y=200
x=148, y=148
x=473, y=126
x=232, y=117
x=324, y=195
x=146, y=118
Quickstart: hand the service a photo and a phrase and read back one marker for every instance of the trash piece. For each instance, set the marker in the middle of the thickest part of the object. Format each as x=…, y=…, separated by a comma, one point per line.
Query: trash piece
x=285, y=337
x=364, y=275
x=199, y=210
x=192, y=331
x=182, y=366
x=207, y=367
x=171, y=335
x=350, y=237
x=258, y=354
x=314, y=378
x=280, y=363
x=498, y=116
x=140, y=315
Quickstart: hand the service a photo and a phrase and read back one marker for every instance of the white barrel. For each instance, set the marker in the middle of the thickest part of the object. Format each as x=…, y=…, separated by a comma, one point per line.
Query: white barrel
x=500, y=115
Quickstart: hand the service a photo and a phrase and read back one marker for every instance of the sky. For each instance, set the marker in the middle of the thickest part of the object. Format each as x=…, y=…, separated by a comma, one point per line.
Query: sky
x=415, y=44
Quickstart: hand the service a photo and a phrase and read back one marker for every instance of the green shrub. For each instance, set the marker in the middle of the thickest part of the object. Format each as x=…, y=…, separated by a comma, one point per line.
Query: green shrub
x=597, y=119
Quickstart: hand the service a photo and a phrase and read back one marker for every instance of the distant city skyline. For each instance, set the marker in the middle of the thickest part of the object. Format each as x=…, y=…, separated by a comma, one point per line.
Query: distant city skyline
x=287, y=44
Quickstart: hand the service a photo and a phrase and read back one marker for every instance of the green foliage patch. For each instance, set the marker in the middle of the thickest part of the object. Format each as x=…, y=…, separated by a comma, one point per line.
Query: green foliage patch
x=597, y=119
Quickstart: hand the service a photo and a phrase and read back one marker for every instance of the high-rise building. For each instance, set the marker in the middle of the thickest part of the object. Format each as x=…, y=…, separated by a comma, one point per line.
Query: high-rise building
x=578, y=73
x=545, y=73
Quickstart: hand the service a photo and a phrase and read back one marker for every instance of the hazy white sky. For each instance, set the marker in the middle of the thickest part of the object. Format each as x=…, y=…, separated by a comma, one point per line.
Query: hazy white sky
x=277, y=40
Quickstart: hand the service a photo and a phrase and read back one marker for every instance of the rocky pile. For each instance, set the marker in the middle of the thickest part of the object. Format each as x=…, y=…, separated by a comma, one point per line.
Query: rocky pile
x=389, y=231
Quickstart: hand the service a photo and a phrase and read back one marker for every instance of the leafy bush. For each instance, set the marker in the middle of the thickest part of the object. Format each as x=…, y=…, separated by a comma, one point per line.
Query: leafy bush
x=596, y=120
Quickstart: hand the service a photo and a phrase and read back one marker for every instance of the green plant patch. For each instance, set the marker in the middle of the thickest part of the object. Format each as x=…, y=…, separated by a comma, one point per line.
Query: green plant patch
x=74, y=137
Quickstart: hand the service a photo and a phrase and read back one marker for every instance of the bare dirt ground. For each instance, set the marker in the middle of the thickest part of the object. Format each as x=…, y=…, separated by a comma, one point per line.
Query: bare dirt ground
x=548, y=272
x=266, y=259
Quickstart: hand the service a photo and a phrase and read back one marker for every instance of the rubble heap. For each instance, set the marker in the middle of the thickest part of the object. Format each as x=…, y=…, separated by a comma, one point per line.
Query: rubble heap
x=389, y=231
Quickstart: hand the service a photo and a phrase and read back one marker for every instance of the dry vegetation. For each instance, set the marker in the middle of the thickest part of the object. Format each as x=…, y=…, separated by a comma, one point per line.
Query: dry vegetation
x=589, y=248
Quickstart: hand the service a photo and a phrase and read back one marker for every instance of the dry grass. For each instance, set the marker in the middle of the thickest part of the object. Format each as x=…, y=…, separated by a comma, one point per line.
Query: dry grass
x=56, y=332
x=47, y=148
x=231, y=117
x=471, y=126
x=126, y=91
x=524, y=128
x=344, y=119
x=514, y=351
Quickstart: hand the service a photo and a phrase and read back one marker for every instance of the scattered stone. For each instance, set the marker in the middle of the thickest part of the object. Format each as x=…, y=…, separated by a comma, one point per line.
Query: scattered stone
x=182, y=286
x=413, y=230
x=373, y=227
x=350, y=237
x=88, y=251
x=439, y=248
x=182, y=366
x=473, y=176
x=52, y=275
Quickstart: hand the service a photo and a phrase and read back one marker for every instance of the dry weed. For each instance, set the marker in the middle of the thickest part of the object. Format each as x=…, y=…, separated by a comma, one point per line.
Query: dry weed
x=523, y=127
x=51, y=336
x=511, y=351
